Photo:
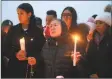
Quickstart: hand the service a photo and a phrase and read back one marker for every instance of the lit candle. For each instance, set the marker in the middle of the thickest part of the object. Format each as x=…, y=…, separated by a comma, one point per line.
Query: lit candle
x=22, y=43
x=76, y=38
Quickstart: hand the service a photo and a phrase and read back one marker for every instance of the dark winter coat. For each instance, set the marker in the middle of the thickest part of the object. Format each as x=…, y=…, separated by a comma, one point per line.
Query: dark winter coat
x=3, y=67
x=56, y=54
x=99, y=57
x=34, y=41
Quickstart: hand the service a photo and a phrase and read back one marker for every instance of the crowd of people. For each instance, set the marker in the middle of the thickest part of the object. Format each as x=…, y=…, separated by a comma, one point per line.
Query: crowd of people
x=49, y=50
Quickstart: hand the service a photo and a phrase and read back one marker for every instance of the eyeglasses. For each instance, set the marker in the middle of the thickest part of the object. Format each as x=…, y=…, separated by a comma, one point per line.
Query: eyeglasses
x=67, y=15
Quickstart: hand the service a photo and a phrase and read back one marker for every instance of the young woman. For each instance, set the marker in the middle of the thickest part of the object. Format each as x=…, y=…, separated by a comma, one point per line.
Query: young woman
x=99, y=56
x=20, y=60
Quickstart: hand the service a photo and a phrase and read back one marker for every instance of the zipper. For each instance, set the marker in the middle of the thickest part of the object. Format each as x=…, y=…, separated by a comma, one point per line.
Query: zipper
x=54, y=61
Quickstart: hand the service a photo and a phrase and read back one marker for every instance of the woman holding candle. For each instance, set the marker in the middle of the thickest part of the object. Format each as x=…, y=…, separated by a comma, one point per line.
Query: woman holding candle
x=56, y=52
x=26, y=52
x=81, y=47
x=69, y=16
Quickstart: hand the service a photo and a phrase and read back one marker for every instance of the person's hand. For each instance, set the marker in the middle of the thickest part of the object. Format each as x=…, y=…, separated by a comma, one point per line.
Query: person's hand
x=21, y=55
x=78, y=55
x=89, y=36
x=31, y=61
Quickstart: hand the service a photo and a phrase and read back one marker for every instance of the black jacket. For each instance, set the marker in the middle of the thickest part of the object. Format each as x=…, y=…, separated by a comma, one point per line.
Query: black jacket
x=57, y=60
x=3, y=67
x=56, y=56
x=34, y=41
x=99, y=57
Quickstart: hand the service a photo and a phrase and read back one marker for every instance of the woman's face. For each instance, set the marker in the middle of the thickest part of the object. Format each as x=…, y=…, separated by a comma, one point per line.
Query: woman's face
x=100, y=26
x=67, y=17
x=55, y=28
x=23, y=16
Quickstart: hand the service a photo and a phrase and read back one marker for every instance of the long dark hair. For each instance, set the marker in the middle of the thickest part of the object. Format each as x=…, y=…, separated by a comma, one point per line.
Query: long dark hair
x=74, y=17
x=28, y=8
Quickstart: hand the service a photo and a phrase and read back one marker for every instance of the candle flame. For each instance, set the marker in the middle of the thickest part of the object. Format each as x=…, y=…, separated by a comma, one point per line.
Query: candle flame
x=76, y=37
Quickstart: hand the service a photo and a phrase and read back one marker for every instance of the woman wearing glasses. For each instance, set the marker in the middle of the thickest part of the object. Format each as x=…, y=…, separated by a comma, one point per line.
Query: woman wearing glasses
x=69, y=16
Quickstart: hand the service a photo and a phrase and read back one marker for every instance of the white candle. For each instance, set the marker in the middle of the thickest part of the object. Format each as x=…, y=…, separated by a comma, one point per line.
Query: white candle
x=22, y=43
x=75, y=48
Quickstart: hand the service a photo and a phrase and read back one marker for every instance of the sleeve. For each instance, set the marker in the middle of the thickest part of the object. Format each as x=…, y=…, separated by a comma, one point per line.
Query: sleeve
x=110, y=58
x=41, y=41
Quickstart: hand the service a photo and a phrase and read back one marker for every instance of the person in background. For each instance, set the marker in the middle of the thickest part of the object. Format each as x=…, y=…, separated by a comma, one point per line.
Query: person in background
x=69, y=16
x=91, y=27
x=51, y=15
x=23, y=60
x=108, y=8
x=83, y=31
x=39, y=23
x=92, y=18
x=91, y=24
x=5, y=26
x=98, y=58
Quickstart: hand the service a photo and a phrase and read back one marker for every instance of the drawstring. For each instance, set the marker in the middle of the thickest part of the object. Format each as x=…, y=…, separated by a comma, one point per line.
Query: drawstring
x=31, y=72
x=27, y=72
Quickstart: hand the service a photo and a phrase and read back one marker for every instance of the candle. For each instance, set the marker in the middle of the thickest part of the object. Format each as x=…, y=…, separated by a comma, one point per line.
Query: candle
x=76, y=38
x=22, y=43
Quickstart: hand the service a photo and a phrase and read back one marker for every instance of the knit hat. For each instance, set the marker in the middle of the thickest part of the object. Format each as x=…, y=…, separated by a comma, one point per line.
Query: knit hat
x=6, y=23
x=91, y=19
x=105, y=17
x=91, y=25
